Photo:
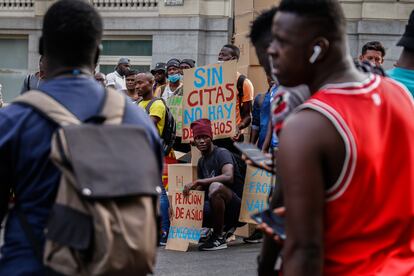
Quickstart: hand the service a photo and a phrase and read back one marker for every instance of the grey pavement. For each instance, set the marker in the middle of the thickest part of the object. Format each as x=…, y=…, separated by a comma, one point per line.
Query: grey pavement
x=238, y=259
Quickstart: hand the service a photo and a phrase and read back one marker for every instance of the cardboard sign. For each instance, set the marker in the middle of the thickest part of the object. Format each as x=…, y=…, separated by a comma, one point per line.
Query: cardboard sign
x=187, y=220
x=195, y=155
x=257, y=187
x=179, y=175
x=175, y=104
x=210, y=92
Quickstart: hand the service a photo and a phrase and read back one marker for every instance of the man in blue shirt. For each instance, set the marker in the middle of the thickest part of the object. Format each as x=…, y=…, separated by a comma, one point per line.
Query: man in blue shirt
x=261, y=119
x=404, y=68
x=70, y=43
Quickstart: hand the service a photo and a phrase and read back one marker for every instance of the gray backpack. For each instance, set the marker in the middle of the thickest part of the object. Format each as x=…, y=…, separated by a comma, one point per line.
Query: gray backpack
x=105, y=217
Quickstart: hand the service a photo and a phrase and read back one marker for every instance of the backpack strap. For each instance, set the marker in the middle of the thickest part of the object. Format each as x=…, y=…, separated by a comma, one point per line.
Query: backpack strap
x=48, y=106
x=148, y=108
x=114, y=107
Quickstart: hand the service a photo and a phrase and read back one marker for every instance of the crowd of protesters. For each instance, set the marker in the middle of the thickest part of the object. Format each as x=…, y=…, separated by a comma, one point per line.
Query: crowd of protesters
x=336, y=155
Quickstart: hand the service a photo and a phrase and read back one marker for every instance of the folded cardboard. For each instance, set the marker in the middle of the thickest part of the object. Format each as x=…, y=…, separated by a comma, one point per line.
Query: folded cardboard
x=257, y=76
x=247, y=51
x=245, y=231
x=243, y=6
x=186, y=220
x=179, y=175
x=195, y=155
x=255, y=199
x=243, y=22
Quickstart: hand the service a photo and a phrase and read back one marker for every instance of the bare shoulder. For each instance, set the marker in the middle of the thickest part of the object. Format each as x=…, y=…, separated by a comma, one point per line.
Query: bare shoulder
x=308, y=127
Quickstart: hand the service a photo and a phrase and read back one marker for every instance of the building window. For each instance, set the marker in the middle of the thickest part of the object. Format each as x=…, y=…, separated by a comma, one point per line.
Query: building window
x=13, y=65
x=138, y=50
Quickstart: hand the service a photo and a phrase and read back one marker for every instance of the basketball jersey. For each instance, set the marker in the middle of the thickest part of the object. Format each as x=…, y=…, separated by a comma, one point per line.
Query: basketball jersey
x=369, y=211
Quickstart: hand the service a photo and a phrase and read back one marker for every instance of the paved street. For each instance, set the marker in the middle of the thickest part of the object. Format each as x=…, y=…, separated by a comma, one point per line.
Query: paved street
x=238, y=259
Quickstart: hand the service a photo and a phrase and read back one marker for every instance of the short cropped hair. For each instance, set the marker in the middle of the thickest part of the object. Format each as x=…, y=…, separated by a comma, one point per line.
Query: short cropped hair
x=375, y=46
x=235, y=50
x=148, y=75
x=327, y=14
x=131, y=72
x=71, y=33
x=262, y=26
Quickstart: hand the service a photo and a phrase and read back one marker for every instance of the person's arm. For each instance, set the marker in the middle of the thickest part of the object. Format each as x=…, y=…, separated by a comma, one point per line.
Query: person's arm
x=110, y=81
x=226, y=163
x=254, y=135
x=269, y=135
x=226, y=177
x=308, y=141
x=246, y=115
x=246, y=106
x=157, y=111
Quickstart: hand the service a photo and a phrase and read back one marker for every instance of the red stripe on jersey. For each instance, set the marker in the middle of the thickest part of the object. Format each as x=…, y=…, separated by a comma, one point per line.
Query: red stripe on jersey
x=350, y=148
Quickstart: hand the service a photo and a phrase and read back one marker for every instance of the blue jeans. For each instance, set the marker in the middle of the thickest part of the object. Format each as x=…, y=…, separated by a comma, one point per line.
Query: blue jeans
x=165, y=218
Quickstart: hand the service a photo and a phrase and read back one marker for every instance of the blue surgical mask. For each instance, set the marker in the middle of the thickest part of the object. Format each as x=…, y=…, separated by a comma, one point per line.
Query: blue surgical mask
x=174, y=78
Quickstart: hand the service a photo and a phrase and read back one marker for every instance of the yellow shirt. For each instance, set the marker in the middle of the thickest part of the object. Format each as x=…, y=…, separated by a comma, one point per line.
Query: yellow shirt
x=157, y=109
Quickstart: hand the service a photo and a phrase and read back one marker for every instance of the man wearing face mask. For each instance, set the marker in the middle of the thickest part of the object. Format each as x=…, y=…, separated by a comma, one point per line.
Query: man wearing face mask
x=175, y=84
x=116, y=79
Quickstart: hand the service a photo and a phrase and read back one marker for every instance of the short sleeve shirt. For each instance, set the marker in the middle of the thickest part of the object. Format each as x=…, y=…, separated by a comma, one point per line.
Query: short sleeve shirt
x=116, y=80
x=157, y=109
x=212, y=165
x=404, y=76
x=248, y=94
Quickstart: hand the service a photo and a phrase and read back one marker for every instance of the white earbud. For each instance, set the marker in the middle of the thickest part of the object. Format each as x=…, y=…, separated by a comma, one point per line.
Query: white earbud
x=316, y=52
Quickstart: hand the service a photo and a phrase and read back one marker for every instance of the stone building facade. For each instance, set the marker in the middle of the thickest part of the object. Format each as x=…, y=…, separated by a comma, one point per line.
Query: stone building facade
x=149, y=31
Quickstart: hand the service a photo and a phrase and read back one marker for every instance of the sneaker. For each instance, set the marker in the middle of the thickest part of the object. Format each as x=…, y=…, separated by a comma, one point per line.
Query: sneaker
x=213, y=243
x=205, y=234
x=163, y=239
x=229, y=233
x=255, y=237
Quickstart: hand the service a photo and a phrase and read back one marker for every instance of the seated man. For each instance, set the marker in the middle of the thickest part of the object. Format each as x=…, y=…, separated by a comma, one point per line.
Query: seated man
x=220, y=177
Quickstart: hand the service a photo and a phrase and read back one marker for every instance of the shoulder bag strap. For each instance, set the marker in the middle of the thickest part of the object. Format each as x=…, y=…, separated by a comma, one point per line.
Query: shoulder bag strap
x=114, y=107
x=48, y=106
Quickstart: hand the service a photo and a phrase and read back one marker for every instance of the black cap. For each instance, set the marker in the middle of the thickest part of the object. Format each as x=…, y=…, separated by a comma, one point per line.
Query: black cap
x=407, y=40
x=188, y=61
x=173, y=62
x=160, y=66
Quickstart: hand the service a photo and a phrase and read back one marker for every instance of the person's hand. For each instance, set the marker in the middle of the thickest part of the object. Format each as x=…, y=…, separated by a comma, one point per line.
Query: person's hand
x=187, y=188
x=265, y=228
x=236, y=137
x=260, y=165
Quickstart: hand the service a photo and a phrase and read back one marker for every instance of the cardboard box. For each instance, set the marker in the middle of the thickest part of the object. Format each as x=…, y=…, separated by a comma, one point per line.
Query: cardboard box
x=245, y=231
x=179, y=175
x=243, y=22
x=257, y=76
x=247, y=51
x=195, y=155
x=244, y=6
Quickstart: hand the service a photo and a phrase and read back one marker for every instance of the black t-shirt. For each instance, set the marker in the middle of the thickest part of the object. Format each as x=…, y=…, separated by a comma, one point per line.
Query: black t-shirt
x=212, y=165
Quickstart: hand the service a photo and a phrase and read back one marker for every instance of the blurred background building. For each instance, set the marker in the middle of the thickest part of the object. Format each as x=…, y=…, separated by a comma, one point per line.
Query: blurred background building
x=150, y=31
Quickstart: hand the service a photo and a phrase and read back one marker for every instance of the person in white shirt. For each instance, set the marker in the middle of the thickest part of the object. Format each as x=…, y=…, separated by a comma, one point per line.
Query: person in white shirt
x=116, y=79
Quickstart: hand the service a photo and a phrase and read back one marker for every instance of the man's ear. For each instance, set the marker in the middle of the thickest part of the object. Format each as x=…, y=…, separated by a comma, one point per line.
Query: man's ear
x=361, y=57
x=322, y=45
